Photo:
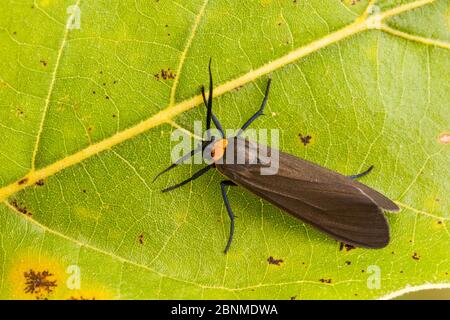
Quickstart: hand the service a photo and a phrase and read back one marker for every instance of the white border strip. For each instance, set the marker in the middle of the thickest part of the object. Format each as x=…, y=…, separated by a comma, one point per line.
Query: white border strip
x=409, y=289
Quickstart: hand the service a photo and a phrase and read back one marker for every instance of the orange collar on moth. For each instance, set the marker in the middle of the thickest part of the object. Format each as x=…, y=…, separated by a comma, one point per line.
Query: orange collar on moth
x=218, y=149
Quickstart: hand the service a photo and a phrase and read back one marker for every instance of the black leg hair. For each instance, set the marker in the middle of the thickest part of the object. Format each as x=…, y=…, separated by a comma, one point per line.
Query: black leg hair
x=223, y=184
x=362, y=174
x=259, y=112
x=196, y=175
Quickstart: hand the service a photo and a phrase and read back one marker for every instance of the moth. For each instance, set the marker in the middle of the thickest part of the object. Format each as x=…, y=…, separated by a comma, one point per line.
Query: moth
x=338, y=205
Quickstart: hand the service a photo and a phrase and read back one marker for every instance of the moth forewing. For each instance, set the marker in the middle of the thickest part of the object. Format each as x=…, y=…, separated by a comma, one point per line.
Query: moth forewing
x=327, y=200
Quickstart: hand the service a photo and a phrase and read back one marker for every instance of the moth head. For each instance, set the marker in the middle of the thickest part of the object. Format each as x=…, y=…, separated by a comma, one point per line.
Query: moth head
x=218, y=149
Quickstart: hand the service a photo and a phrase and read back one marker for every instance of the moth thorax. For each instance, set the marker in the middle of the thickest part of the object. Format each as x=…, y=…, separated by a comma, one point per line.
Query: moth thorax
x=218, y=149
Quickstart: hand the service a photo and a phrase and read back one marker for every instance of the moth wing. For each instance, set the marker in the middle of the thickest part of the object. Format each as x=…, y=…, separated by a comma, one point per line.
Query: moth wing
x=323, y=198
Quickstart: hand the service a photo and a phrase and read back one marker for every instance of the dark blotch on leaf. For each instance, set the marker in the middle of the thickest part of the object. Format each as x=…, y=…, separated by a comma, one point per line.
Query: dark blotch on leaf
x=305, y=139
x=274, y=261
x=39, y=283
x=415, y=256
x=40, y=182
x=165, y=74
x=20, y=208
x=325, y=280
x=23, y=181
x=141, y=239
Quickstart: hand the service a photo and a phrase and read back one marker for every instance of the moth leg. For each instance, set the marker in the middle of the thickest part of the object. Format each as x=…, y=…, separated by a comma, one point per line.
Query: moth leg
x=196, y=175
x=362, y=174
x=224, y=184
x=259, y=112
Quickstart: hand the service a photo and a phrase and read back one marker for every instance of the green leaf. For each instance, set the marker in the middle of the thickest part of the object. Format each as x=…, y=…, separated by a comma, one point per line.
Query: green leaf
x=85, y=122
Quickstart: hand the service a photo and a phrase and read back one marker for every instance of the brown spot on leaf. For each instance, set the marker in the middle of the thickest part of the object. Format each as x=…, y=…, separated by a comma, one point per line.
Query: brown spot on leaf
x=293, y=297
x=40, y=182
x=165, y=74
x=23, y=181
x=141, y=239
x=43, y=62
x=325, y=280
x=348, y=262
x=39, y=283
x=274, y=261
x=305, y=139
x=415, y=256
x=21, y=208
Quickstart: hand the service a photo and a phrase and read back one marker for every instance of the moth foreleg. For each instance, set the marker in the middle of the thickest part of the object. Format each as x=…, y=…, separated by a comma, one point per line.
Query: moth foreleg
x=224, y=184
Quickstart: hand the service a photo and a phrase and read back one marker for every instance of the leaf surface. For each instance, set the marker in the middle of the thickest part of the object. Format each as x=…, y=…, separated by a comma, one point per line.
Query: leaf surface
x=86, y=117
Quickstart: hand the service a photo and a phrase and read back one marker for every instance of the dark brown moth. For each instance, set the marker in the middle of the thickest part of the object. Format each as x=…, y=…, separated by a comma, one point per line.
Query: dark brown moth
x=338, y=205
